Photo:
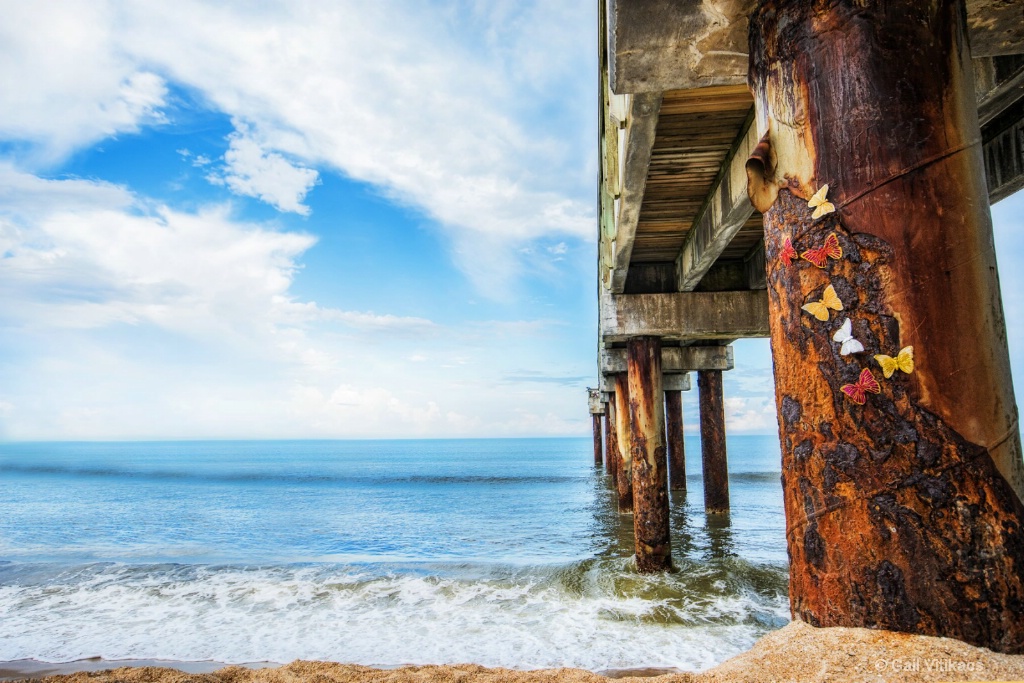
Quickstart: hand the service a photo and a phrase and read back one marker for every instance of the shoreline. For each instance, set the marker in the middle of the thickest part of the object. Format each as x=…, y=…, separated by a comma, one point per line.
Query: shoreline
x=795, y=653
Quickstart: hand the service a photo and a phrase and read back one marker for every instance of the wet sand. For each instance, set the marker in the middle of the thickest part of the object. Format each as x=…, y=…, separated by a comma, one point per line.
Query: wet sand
x=795, y=653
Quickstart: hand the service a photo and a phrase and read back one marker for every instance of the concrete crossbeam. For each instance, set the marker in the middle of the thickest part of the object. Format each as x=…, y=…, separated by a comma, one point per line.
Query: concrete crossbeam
x=685, y=316
x=675, y=359
x=641, y=126
x=673, y=382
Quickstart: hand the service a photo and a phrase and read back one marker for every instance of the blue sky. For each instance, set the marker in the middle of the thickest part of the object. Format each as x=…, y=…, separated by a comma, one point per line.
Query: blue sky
x=310, y=220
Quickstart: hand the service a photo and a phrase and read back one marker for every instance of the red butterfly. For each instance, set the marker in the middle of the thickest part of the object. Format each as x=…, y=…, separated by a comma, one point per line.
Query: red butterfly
x=858, y=392
x=830, y=249
x=788, y=252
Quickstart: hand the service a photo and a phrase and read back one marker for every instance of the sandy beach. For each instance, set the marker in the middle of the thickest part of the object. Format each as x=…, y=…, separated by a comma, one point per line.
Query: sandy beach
x=795, y=653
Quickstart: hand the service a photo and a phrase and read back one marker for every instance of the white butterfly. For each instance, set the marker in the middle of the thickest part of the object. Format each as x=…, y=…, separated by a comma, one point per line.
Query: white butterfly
x=845, y=337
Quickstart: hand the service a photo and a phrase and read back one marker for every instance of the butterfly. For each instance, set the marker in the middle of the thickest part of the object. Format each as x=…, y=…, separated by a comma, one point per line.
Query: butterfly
x=904, y=361
x=820, y=205
x=788, y=252
x=829, y=299
x=830, y=249
x=858, y=392
x=845, y=337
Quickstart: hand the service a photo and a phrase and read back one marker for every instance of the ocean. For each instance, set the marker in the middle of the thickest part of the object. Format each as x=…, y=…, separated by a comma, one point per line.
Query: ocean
x=505, y=552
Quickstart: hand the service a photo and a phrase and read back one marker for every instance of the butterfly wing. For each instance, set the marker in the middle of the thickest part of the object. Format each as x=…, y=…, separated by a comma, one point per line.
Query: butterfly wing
x=831, y=299
x=844, y=333
x=849, y=346
x=817, y=309
x=818, y=197
x=888, y=364
x=832, y=247
x=855, y=393
x=825, y=209
x=905, y=359
x=868, y=382
x=788, y=252
x=815, y=256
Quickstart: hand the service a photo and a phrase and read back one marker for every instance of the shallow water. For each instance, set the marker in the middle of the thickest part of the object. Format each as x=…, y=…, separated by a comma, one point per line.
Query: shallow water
x=499, y=552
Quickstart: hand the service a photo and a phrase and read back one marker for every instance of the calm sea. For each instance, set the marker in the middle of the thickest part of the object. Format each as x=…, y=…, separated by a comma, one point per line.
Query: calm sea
x=498, y=552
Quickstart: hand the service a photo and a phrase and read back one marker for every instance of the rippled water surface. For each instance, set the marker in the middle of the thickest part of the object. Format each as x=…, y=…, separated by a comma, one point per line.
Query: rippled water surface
x=500, y=552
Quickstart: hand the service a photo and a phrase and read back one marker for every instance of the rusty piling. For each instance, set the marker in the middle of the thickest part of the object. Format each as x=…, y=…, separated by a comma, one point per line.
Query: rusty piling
x=649, y=464
x=623, y=465
x=712, y=442
x=611, y=445
x=596, y=418
x=674, y=439
x=901, y=457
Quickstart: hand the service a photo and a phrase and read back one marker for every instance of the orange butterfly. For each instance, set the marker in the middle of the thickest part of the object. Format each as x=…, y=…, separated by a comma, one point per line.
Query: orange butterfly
x=858, y=392
x=820, y=205
x=788, y=252
x=820, y=256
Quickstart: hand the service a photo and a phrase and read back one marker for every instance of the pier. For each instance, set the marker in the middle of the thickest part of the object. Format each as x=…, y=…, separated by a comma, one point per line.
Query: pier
x=821, y=174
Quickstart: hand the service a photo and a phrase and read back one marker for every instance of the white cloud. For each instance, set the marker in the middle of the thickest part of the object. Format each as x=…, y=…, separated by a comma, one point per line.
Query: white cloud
x=127, y=319
x=251, y=171
x=471, y=115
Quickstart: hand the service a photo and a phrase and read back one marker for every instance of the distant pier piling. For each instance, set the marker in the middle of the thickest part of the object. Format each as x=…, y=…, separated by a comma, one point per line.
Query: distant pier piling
x=611, y=444
x=674, y=440
x=623, y=466
x=712, y=441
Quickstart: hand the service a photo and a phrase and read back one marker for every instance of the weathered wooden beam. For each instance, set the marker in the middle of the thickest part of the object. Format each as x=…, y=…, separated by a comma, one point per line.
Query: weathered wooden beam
x=647, y=443
x=897, y=488
x=685, y=316
x=675, y=359
x=725, y=210
x=674, y=440
x=640, y=132
x=712, y=442
x=1004, y=153
x=624, y=465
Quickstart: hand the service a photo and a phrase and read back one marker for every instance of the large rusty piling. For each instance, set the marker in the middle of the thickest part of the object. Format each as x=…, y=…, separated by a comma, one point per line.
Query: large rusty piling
x=623, y=465
x=596, y=418
x=647, y=444
x=901, y=459
x=674, y=437
x=712, y=441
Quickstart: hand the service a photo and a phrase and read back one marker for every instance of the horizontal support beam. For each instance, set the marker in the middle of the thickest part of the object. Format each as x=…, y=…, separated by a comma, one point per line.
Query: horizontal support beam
x=675, y=359
x=658, y=45
x=685, y=316
x=595, y=401
x=726, y=208
x=677, y=382
x=640, y=132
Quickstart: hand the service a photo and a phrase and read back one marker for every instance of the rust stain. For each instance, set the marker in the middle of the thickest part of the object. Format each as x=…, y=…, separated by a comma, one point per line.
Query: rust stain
x=624, y=465
x=903, y=513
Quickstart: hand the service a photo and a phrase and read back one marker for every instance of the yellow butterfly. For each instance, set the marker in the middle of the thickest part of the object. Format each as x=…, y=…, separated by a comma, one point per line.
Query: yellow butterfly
x=821, y=205
x=904, y=361
x=819, y=309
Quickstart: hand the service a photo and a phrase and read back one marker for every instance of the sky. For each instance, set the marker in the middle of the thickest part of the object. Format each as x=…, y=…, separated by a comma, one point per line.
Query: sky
x=318, y=219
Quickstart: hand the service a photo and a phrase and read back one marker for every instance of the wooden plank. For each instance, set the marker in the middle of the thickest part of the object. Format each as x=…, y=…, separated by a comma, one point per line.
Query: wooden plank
x=684, y=316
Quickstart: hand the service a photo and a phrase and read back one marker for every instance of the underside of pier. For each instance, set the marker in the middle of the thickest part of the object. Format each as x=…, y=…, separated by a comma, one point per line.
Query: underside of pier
x=820, y=173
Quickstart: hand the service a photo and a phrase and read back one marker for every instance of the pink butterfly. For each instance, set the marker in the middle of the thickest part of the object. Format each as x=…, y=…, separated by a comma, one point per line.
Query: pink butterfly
x=858, y=392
